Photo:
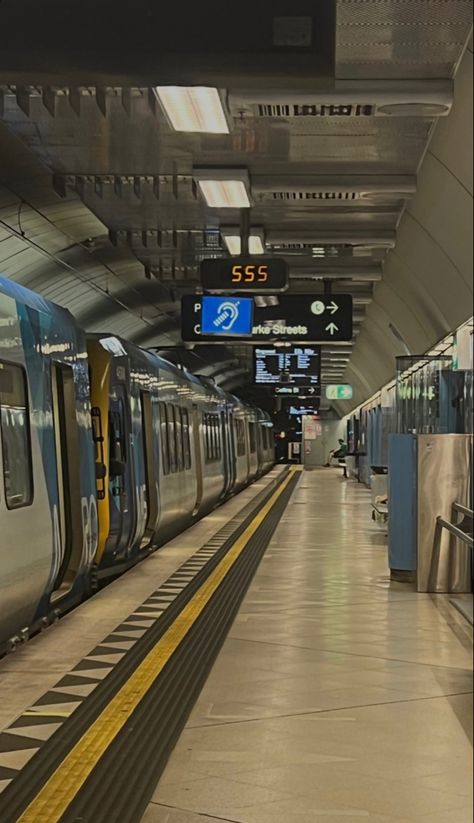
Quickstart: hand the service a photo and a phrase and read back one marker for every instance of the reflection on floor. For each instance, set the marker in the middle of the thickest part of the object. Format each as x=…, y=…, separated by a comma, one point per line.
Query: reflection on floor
x=338, y=696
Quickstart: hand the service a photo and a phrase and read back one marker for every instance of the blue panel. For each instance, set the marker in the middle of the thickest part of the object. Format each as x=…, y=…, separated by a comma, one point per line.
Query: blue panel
x=402, y=507
x=227, y=315
x=364, y=470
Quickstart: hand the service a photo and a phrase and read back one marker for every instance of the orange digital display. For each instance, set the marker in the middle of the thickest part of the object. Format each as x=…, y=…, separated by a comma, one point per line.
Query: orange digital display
x=245, y=274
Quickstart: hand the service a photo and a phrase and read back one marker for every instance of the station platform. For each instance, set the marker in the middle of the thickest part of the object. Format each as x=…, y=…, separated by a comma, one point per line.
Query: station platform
x=337, y=695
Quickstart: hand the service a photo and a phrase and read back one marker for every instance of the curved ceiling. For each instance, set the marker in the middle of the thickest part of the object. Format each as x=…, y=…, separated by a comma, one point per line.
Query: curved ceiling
x=335, y=114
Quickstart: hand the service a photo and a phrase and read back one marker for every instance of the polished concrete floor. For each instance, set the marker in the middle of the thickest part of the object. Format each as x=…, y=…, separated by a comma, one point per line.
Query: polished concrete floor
x=338, y=696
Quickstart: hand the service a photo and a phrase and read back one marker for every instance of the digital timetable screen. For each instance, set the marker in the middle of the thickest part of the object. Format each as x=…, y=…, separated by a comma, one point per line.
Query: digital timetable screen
x=275, y=365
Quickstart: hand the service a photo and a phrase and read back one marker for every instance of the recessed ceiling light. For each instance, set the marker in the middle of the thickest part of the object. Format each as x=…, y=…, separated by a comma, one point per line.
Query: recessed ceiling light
x=225, y=194
x=193, y=109
x=231, y=237
x=233, y=244
x=224, y=188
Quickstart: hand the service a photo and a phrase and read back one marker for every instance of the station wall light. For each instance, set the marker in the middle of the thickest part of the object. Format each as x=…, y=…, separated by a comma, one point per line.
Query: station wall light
x=224, y=188
x=194, y=109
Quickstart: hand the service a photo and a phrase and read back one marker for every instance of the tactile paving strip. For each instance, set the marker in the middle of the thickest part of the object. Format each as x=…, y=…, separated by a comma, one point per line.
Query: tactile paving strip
x=26, y=735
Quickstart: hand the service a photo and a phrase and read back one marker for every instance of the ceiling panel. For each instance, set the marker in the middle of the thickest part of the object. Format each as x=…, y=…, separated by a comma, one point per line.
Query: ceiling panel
x=330, y=119
x=400, y=38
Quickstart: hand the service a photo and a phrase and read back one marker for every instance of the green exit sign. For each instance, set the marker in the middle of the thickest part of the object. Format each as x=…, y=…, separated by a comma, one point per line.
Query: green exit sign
x=342, y=391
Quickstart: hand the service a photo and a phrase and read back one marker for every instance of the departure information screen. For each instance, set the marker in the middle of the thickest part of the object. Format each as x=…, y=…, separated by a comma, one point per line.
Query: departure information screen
x=294, y=365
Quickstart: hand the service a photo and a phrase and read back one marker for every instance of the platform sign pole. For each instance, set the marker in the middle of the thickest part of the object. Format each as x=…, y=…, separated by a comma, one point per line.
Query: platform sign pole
x=244, y=232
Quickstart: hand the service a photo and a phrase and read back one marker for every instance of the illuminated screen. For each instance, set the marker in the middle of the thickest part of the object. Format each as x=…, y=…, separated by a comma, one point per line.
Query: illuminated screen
x=297, y=365
x=299, y=411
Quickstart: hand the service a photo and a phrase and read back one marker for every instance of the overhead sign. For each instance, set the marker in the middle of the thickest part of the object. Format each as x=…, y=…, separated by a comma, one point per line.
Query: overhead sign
x=341, y=391
x=291, y=317
x=226, y=315
x=290, y=365
x=255, y=274
x=297, y=391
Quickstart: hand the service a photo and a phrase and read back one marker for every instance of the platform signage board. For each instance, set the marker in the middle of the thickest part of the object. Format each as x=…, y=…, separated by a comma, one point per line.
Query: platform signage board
x=297, y=391
x=289, y=317
x=227, y=316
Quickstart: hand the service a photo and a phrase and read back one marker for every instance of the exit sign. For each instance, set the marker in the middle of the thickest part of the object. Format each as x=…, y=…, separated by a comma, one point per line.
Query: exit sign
x=341, y=391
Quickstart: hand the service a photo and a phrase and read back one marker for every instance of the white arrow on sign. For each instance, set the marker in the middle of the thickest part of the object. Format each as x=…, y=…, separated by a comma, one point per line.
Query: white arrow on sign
x=333, y=307
x=332, y=328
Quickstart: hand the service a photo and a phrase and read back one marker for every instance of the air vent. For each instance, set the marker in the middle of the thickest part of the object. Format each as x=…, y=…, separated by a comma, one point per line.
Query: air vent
x=315, y=250
x=313, y=195
x=314, y=110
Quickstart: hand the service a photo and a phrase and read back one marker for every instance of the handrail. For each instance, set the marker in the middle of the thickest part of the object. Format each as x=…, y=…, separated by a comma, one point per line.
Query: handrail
x=450, y=527
x=463, y=510
x=457, y=531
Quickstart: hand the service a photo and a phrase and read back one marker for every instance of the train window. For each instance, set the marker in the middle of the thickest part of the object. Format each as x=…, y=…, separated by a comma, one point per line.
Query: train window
x=165, y=453
x=264, y=438
x=171, y=437
x=211, y=437
x=117, y=445
x=16, y=440
x=186, y=438
x=178, y=438
x=240, y=428
x=252, y=437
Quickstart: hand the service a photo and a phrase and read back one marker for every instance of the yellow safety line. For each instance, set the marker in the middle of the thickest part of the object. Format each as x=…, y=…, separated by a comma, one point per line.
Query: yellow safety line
x=59, y=791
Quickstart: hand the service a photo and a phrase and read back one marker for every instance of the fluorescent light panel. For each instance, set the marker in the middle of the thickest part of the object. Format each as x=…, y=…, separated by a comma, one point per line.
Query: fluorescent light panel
x=225, y=194
x=193, y=109
x=233, y=244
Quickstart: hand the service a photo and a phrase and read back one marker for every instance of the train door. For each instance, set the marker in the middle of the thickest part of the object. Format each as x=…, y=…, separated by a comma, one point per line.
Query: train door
x=225, y=454
x=247, y=443
x=121, y=489
x=227, y=424
x=151, y=473
x=69, y=512
x=260, y=447
x=198, y=459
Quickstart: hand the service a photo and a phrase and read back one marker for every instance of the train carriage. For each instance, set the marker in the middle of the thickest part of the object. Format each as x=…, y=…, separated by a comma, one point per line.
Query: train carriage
x=107, y=452
x=48, y=513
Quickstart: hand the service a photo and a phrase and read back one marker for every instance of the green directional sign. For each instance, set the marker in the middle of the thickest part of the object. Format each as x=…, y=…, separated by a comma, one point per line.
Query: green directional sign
x=341, y=391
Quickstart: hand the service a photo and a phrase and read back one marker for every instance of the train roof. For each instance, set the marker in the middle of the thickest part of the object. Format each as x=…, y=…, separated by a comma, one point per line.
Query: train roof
x=23, y=295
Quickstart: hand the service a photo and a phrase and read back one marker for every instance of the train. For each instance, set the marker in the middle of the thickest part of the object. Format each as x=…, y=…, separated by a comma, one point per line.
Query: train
x=107, y=451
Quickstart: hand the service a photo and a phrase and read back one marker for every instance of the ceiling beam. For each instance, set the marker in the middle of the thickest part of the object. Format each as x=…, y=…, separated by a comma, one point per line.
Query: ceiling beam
x=390, y=184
